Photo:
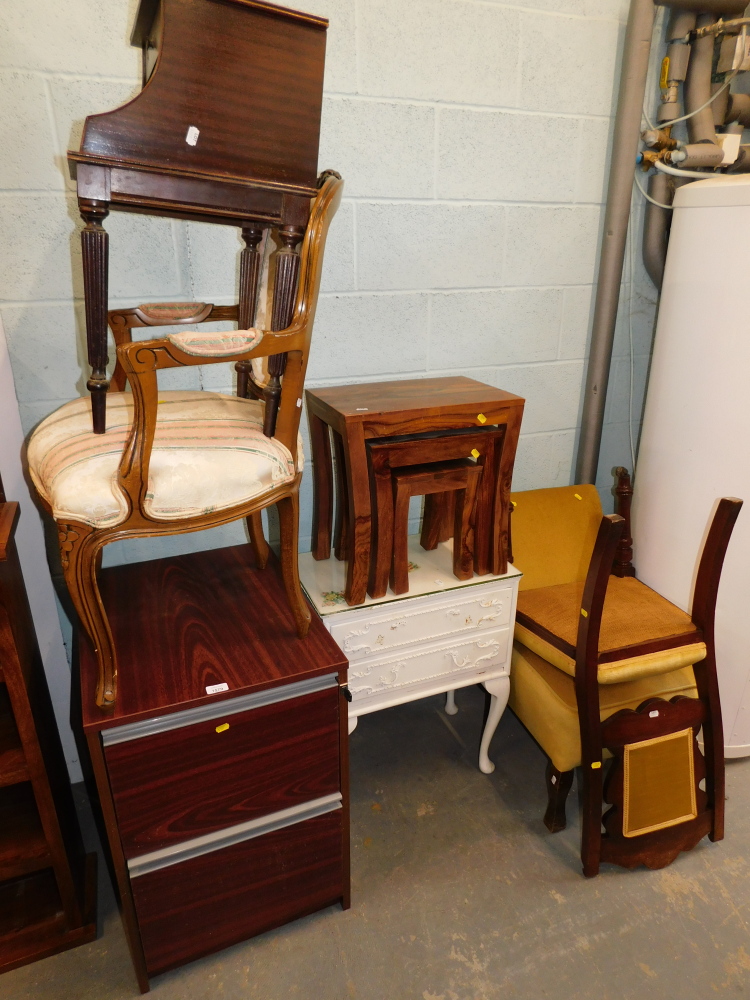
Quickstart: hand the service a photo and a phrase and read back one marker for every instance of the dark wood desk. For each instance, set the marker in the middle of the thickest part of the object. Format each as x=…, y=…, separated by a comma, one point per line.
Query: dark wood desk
x=357, y=413
x=223, y=770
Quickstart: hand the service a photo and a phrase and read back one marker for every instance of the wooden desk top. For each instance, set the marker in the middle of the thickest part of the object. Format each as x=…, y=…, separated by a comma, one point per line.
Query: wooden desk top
x=186, y=623
x=360, y=402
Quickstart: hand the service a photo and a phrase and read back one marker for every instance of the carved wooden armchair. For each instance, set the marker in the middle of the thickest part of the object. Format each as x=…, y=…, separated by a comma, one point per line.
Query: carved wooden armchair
x=604, y=667
x=172, y=462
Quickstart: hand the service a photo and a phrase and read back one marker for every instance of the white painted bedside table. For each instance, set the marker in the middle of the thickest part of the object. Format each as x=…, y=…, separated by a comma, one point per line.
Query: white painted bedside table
x=443, y=635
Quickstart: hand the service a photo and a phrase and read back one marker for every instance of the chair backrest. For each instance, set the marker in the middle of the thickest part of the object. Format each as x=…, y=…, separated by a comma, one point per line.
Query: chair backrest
x=554, y=531
x=141, y=360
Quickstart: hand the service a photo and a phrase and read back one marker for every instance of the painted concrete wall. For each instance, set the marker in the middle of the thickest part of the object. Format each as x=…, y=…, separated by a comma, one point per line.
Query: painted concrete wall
x=472, y=135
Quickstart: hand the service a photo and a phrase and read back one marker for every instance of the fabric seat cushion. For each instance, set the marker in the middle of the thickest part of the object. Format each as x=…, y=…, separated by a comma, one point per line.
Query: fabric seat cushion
x=544, y=699
x=627, y=669
x=209, y=454
x=633, y=615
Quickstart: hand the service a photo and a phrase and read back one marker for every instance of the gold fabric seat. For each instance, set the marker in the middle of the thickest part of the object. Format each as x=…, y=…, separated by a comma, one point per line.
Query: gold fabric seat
x=545, y=699
x=554, y=557
x=634, y=618
x=610, y=676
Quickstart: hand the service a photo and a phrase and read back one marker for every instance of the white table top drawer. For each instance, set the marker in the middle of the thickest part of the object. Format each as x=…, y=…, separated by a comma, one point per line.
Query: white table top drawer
x=480, y=654
x=372, y=631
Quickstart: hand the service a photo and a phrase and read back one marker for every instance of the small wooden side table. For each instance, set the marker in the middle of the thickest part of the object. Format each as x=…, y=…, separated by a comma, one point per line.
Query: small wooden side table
x=459, y=478
x=357, y=413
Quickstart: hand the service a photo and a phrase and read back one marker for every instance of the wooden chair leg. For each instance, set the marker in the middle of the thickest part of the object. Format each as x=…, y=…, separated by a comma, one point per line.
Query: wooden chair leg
x=288, y=508
x=558, y=785
x=381, y=550
x=320, y=445
x=79, y=555
x=591, y=833
x=258, y=542
x=341, y=530
x=400, y=558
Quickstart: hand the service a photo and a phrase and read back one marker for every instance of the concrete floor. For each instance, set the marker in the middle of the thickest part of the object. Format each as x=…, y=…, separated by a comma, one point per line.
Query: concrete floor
x=459, y=893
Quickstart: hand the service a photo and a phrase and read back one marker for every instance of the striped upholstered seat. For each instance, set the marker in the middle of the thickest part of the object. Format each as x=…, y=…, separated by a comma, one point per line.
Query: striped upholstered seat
x=209, y=454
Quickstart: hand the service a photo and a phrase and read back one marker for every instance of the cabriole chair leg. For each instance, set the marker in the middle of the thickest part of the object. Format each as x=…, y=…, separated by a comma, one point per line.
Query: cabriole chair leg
x=80, y=560
x=258, y=541
x=288, y=508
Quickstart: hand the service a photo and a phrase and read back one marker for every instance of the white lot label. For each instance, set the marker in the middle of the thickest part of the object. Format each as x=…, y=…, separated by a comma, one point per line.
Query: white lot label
x=192, y=136
x=215, y=688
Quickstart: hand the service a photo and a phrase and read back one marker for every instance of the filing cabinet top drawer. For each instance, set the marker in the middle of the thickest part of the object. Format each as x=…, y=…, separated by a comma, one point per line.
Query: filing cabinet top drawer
x=191, y=780
x=374, y=630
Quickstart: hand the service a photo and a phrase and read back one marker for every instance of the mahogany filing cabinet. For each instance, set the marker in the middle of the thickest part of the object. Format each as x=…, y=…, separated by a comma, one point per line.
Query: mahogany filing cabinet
x=222, y=773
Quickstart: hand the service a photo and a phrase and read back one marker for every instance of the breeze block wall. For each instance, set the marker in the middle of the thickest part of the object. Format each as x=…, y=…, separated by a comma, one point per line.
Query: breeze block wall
x=473, y=139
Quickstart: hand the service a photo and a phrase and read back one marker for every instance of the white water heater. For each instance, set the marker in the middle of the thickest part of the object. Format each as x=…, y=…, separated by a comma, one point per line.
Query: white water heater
x=695, y=444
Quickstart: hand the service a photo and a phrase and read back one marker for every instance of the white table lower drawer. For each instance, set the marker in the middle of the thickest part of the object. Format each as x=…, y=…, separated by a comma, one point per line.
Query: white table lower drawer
x=391, y=679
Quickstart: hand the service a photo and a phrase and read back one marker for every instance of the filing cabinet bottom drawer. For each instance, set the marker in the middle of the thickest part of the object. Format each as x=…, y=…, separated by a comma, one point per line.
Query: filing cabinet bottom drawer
x=222, y=897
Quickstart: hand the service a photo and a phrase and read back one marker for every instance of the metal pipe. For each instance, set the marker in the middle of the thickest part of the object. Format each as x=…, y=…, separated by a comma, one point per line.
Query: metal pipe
x=676, y=172
x=701, y=126
x=724, y=28
x=656, y=227
x=726, y=8
x=624, y=148
x=739, y=109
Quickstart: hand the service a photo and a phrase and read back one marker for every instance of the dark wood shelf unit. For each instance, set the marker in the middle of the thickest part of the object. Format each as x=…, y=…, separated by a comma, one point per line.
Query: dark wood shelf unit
x=23, y=846
x=13, y=769
x=175, y=763
x=47, y=881
x=26, y=903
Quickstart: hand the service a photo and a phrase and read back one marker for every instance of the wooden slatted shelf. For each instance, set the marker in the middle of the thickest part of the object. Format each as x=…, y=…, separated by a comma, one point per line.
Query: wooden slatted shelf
x=13, y=767
x=26, y=903
x=23, y=846
x=47, y=881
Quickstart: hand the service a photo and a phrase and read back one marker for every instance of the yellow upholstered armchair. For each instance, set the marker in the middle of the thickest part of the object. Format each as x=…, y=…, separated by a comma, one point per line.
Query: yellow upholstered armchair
x=610, y=676
x=173, y=462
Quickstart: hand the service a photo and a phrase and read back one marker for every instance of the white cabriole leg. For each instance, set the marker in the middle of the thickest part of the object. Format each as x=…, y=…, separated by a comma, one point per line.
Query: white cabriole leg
x=353, y=720
x=499, y=689
x=450, y=703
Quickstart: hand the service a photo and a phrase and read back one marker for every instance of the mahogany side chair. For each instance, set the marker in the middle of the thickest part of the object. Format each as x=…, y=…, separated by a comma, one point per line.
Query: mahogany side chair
x=609, y=676
x=173, y=461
